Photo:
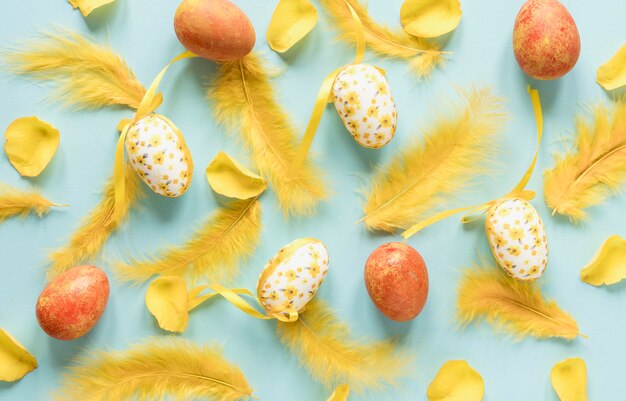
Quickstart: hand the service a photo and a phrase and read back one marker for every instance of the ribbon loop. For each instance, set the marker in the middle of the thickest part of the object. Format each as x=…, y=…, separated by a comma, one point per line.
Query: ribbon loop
x=288, y=315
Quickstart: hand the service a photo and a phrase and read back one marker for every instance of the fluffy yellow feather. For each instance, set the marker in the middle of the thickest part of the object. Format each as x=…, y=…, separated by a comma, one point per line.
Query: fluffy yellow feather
x=595, y=169
x=326, y=349
x=159, y=368
x=424, y=174
x=423, y=56
x=90, y=237
x=244, y=101
x=213, y=251
x=515, y=306
x=14, y=202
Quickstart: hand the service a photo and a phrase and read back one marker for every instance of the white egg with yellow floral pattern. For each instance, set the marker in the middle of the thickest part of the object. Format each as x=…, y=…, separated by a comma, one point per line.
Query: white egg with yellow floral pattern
x=518, y=239
x=364, y=103
x=292, y=277
x=158, y=153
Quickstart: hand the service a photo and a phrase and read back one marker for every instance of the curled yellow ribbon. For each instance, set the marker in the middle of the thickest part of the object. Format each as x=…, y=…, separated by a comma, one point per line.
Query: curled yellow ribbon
x=519, y=192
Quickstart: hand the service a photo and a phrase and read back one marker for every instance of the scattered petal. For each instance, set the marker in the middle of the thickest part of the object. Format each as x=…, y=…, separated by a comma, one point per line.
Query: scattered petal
x=569, y=379
x=609, y=265
x=341, y=393
x=292, y=20
x=87, y=6
x=456, y=380
x=612, y=74
x=229, y=178
x=30, y=145
x=430, y=18
x=15, y=360
x=167, y=300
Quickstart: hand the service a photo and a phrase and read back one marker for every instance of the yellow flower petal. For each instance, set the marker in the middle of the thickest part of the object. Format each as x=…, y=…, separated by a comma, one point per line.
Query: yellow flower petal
x=569, y=379
x=292, y=20
x=167, y=300
x=456, y=380
x=87, y=6
x=430, y=18
x=612, y=74
x=341, y=393
x=30, y=145
x=609, y=265
x=229, y=178
x=15, y=360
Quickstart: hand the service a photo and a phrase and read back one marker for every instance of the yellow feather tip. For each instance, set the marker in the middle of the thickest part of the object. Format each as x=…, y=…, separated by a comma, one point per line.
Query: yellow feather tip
x=14, y=202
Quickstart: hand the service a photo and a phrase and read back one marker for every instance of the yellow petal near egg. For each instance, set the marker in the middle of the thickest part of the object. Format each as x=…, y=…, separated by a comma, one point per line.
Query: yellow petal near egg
x=609, y=265
x=569, y=379
x=87, y=6
x=15, y=360
x=30, y=145
x=430, y=18
x=292, y=20
x=612, y=74
x=230, y=178
x=456, y=380
x=341, y=393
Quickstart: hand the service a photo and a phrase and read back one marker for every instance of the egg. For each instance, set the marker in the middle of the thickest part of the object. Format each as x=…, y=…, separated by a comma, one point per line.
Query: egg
x=546, y=41
x=397, y=281
x=364, y=103
x=214, y=29
x=158, y=153
x=518, y=239
x=291, y=278
x=71, y=304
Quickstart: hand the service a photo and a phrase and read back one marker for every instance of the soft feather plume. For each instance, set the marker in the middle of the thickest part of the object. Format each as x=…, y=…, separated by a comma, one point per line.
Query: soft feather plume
x=87, y=75
x=324, y=346
x=423, y=175
x=244, y=101
x=154, y=370
x=14, y=202
x=214, y=251
x=596, y=168
x=423, y=56
x=513, y=305
x=93, y=232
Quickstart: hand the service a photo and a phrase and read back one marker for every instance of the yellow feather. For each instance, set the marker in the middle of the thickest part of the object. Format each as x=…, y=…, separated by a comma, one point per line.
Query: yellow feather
x=14, y=202
x=325, y=348
x=423, y=175
x=244, y=101
x=423, y=56
x=214, y=251
x=159, y=368
x=91, y=236
x=515, y=306
x=596, y=167
x=87, y=75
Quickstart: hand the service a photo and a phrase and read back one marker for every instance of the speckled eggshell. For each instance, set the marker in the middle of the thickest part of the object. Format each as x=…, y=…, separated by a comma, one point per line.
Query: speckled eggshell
x=364, y=103
x=158, y=153
x=518, y=239
x=292, y=277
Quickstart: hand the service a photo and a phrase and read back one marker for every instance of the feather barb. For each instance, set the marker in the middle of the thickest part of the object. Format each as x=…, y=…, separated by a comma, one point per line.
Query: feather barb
x=14, y=202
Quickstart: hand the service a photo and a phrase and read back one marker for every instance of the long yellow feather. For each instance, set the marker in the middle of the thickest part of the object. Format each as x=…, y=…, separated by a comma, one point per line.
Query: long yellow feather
x=87, y=75
x=421, y=177
x=244, y=101
x=325, y=348
x=214, y=251
x=93, y=232
x=14, y=202
x=596, y=168
x=159, y=368
x=423, y=56
x=512, y=305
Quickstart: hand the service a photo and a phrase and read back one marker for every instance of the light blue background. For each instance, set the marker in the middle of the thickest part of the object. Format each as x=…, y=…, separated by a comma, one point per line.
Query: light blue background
x=141, y=30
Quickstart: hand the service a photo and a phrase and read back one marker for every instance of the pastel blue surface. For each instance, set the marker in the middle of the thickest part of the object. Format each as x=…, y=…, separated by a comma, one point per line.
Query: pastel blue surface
x=141, y=30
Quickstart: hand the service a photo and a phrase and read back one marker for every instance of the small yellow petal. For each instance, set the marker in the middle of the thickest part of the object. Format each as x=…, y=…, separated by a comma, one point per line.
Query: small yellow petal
x=430, y=18
x=612, y=74
x=569, y=379
x=87, y=6
x=609, y=265
x=167, y=299
x=15, y=360
x=341, y=393
x=30, y=145
x=292, y=20
x=456, y=380
x=229, y=178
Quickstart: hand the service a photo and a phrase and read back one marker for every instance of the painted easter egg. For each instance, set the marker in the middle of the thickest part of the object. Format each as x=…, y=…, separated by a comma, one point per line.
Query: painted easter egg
x=292, y=277
x=364, y=103
x=518, y=239
x=158, y=153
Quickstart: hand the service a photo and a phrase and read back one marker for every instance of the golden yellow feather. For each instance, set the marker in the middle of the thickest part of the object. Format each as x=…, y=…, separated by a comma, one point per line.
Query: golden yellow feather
x=244, y=101
x=326, y=349
x=423, y=56
x=214, y=251
x=159, y=368
x=595, y=169
x=93, y=232
x=424, y=174
x=14, y=202
x=513, y=305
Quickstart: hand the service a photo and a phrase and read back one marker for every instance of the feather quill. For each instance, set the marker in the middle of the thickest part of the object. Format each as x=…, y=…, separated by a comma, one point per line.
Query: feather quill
x=87, y=241
x=423, y=56
x=152, y=371
x=512, y=305
x=424, y=174
x=14, y=202
x=244, y=101
x=595, y=169
x=214, y=251
x=325, y=348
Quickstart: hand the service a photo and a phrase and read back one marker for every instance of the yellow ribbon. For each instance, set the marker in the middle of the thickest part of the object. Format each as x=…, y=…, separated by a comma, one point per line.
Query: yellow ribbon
x=518, y=192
